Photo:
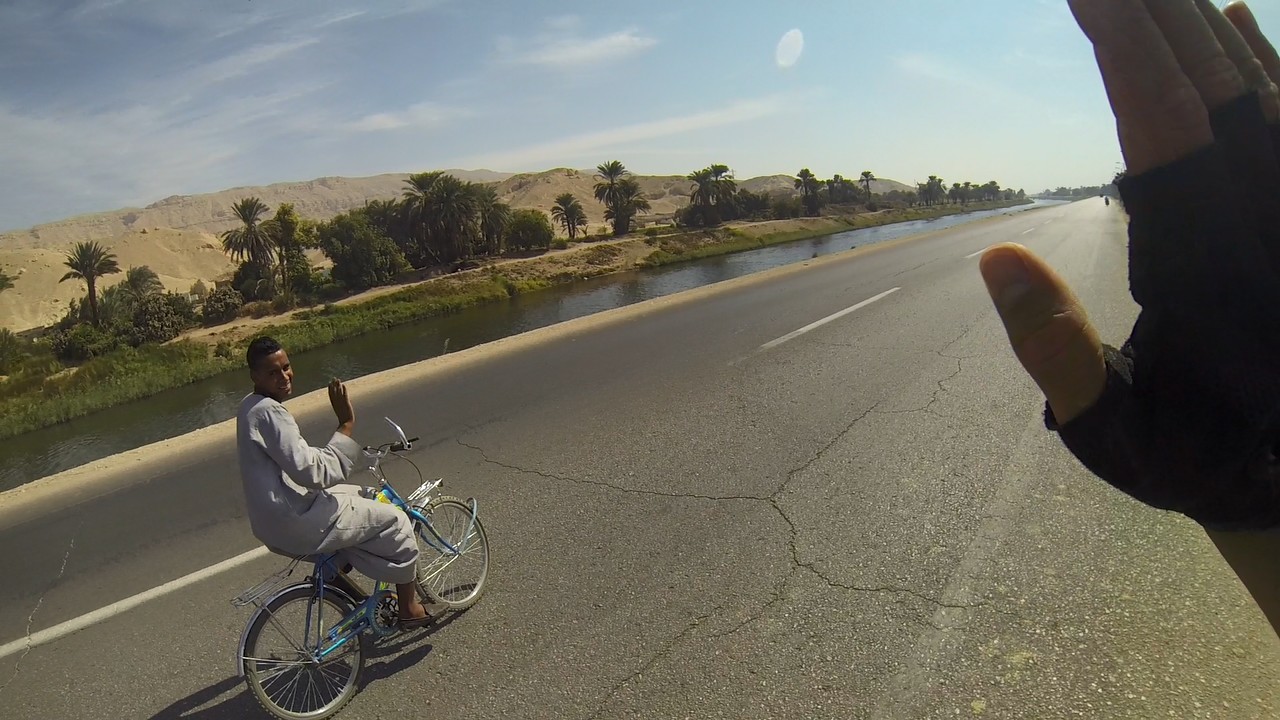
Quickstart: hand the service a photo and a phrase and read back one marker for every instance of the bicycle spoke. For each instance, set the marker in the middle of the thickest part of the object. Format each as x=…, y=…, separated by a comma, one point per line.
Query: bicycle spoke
x=330, y=675
x=293, y=689
x=276, y=670
x=271, y=618
x=313, y=692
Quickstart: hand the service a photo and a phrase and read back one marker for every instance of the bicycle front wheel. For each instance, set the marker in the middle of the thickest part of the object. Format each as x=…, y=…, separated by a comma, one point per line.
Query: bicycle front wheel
x=455, y=579
x=280, y=664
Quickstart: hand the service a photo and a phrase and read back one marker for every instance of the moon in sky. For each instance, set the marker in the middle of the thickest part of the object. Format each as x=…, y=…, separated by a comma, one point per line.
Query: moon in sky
x=789, y=48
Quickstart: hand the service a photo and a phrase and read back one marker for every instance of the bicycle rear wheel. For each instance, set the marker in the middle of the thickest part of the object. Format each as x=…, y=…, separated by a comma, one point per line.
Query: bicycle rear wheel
x=280, y=665
x=445, y=577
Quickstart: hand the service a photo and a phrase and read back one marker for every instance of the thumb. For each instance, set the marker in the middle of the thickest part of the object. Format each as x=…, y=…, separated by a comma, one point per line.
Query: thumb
x=1048, y=329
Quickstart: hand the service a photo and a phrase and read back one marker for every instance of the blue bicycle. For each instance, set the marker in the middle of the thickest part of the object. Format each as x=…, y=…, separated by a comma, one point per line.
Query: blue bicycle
x=303, y=649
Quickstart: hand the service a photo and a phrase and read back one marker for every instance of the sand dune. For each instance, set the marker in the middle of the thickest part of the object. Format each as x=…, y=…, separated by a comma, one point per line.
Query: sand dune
x=37, y=298
x=178, y=236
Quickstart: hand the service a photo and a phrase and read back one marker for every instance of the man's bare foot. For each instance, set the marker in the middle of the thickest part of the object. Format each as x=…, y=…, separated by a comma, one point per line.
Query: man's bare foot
x=414, y=611
x=411, y=609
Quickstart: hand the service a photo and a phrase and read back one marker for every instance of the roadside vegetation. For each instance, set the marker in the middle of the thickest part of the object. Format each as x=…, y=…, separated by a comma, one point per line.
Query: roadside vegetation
x=451, y=244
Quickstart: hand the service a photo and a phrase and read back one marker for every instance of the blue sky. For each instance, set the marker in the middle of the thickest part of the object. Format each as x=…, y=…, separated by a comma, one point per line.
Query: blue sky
x=108, y=103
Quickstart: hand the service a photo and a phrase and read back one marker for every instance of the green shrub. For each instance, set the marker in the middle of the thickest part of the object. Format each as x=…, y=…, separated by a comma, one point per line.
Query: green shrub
x=154, y=321
x=560, y=244
x=284, y=303
x=256, y=309
x=82, y=342
x=11, y=351
x=784, y=208
x=222, y=306
x=224, y=350
x=252, y=283
x=330, y=291
x=529, y=230
x=362, y=256
x=182, y=309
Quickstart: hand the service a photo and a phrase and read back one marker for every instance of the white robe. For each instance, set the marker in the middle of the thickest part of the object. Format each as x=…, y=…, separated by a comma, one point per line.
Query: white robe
x=298, y=505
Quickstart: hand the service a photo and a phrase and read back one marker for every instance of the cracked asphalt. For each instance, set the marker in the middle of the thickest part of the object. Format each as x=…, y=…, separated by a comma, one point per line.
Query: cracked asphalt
x=867, y=521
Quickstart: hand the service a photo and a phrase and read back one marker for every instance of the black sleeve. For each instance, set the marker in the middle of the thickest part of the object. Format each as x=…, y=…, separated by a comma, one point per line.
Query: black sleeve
x=1189, y=420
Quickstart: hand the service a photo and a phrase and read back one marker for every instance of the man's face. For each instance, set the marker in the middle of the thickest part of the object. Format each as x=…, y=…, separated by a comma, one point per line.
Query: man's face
x=273, y=376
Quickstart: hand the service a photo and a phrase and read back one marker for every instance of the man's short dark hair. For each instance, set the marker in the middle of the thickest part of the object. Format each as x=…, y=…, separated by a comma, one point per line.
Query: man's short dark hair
x=260, y=348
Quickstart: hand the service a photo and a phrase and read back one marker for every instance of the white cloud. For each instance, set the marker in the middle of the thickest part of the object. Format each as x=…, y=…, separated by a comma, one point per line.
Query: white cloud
x=245, y=61
x=564, y=149
x=340, y=18
x=418, y=115
x=555, y=48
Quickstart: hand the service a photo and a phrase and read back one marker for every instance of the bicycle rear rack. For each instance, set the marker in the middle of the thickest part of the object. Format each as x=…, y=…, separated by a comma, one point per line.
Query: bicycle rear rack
x=268, y=587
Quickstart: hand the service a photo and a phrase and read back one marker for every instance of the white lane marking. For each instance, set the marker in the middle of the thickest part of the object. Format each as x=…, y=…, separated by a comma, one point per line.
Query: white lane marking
x=63, y=629
x=1024, y=232
x=819, y=323
x=974, y=255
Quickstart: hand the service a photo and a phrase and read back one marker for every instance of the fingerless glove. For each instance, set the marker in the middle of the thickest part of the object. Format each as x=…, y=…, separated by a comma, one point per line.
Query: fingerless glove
x=1189, y=419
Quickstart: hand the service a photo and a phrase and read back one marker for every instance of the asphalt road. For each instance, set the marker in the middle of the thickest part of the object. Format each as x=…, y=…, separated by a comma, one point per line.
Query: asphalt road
x=689, y=519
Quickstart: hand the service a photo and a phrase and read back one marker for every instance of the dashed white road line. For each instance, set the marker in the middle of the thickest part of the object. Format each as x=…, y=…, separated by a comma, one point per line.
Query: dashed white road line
x=976, y=254
x=1024, y=232
x=815, y=324
x=63, y=629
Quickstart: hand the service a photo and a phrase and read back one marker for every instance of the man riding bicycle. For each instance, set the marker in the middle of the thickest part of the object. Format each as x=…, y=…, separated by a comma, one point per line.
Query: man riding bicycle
x=297, y=502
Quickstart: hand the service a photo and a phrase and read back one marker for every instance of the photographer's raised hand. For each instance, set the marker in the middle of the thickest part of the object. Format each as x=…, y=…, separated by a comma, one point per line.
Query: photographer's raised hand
x=1185, y=416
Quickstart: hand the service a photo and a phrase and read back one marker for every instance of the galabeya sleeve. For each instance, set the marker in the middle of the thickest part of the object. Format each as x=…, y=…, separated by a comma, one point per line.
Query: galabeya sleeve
x=311, y=467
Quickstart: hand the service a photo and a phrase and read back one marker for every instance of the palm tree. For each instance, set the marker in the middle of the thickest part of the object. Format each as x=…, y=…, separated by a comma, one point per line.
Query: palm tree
x=991, y=190
x=417, y=207
x=703, y=191
x=867, y=177
x=391, y=218
x=610, y=174
x=628, y=201
x=89, y=261
x=453, y=215
x=115, y=303
x=251, y=241
x=933, y=191
x=713, y=193
x=725, y=187
x=835, y=188
x=808, y=183
x=492, y=217
x=138, y=283
x=569, y=213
